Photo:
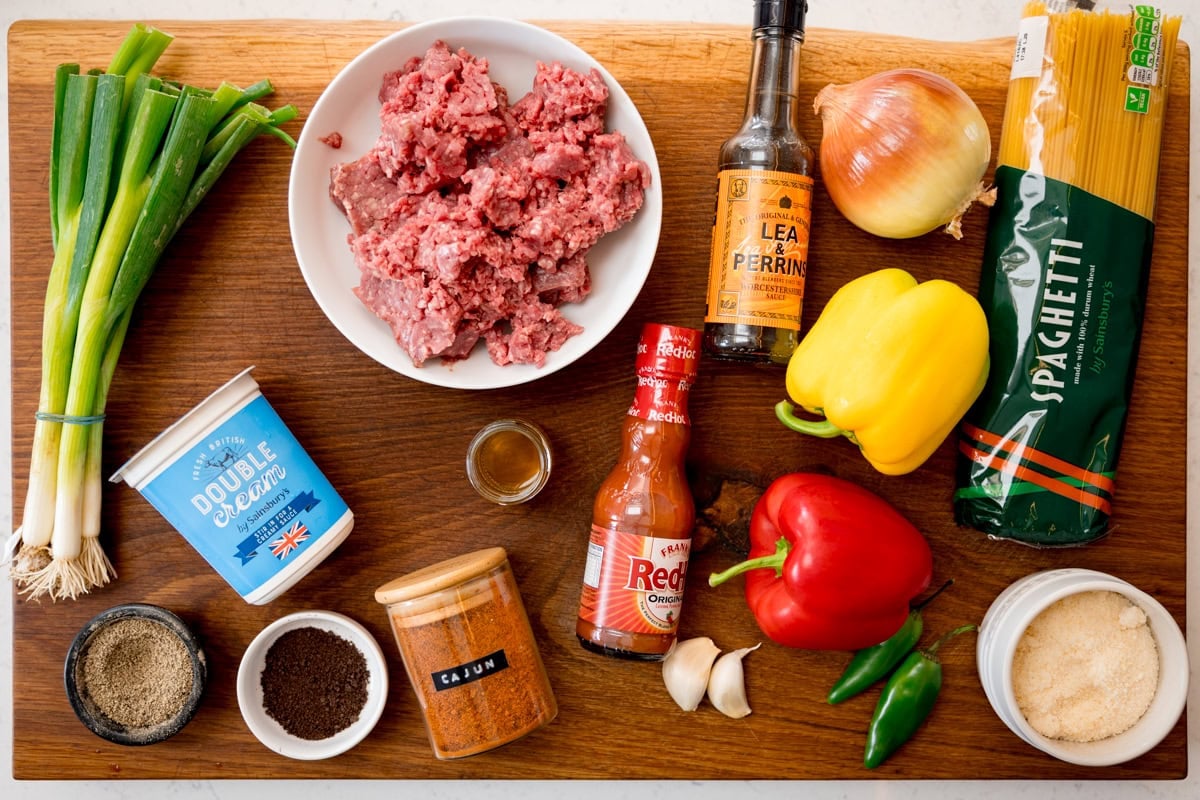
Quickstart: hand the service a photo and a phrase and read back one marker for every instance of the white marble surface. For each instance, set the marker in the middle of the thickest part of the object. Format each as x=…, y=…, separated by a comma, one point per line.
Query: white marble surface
x=934, y=19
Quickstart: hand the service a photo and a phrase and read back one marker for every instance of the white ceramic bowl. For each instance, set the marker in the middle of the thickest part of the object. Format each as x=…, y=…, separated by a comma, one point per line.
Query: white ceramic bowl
x=1016, y=607
x=619, y=262
x=270, y=732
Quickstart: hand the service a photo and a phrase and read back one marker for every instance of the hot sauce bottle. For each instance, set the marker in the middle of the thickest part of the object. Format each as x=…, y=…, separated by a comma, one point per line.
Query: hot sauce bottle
x=759, y=255
x=643, y=514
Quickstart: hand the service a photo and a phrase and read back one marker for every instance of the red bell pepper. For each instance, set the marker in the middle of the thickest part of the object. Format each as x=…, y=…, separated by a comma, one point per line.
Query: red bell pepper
x=832, y=566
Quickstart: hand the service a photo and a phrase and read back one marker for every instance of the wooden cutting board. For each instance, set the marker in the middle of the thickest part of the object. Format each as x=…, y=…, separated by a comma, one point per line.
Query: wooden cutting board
x=229, y=295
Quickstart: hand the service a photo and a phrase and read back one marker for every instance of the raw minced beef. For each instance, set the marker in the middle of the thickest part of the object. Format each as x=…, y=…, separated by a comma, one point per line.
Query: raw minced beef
x=471, y=218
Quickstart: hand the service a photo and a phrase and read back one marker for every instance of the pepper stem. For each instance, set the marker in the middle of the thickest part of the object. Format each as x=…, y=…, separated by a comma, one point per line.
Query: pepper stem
x=931, y=651
x=773, y=561
x=932, y=597
x=786, y=412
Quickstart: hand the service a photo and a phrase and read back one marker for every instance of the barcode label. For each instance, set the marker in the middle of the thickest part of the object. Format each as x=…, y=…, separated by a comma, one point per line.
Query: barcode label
x=591, y=571
x=1031, y=47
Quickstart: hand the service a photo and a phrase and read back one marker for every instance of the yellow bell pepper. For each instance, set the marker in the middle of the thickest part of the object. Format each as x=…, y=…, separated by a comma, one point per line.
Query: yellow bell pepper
x=891, y=364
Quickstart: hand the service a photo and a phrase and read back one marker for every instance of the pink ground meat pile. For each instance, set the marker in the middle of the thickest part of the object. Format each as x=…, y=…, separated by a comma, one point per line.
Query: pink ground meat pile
x=472, y=218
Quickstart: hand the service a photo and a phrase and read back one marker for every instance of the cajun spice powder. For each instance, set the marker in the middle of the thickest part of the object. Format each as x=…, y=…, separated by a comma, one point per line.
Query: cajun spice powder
x=469, y=653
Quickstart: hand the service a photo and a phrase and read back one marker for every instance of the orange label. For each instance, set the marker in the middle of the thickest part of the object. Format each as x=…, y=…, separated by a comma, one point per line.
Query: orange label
x=759, y=248
x=634, y=583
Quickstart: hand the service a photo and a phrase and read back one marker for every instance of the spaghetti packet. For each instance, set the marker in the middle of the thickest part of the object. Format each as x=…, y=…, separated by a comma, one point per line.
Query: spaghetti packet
x=1065, y=270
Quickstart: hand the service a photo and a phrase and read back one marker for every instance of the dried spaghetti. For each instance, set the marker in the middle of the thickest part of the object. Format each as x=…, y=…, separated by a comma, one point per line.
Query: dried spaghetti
x=1068, y=120
x=1065, y=270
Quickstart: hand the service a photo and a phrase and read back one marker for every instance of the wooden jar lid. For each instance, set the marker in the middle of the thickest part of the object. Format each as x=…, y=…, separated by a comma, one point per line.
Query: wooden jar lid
x=440, y=576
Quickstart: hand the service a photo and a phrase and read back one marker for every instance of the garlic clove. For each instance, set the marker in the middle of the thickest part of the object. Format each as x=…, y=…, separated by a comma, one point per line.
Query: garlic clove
x=727, y=684
x=686, y=669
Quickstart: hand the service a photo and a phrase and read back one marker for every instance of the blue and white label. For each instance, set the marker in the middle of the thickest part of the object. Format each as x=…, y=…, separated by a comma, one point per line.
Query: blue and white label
x=248, y=497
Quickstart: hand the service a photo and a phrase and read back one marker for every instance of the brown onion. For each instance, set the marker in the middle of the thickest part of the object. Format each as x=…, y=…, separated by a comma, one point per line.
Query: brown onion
x=903, y=152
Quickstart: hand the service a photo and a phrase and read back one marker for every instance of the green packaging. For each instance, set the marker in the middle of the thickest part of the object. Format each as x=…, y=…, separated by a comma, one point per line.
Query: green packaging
x=1065, y=270
x=1064, y=287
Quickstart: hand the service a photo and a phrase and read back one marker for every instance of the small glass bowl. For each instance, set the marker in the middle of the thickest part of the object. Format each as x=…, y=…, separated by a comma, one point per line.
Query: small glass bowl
x=86, y=708
x=520, y=484
x=1017, y=606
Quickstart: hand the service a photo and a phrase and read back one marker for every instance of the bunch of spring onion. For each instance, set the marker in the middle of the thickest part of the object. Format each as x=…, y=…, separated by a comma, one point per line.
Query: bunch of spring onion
x=132, y=156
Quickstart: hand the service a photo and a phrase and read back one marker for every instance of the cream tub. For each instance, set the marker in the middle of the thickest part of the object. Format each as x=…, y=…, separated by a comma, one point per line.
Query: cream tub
x=232, y=479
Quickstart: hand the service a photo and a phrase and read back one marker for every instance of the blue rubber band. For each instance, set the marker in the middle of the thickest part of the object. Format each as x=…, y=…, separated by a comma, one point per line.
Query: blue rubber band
x=69, y=419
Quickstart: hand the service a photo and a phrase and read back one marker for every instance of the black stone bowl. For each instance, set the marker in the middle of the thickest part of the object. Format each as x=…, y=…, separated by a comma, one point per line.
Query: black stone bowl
x=86, y=709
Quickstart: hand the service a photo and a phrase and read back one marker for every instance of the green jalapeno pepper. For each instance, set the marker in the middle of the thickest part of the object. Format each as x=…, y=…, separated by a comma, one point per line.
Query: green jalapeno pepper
x=874, y=663
x=906, y=701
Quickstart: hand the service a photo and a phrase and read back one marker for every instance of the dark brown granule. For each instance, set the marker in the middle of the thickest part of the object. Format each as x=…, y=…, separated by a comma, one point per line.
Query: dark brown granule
x=314, y=683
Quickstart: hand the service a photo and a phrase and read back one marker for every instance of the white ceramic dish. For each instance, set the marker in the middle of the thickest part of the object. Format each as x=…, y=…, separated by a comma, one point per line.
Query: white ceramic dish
x=270, y=732
x=619, y=263
x=1016, y=607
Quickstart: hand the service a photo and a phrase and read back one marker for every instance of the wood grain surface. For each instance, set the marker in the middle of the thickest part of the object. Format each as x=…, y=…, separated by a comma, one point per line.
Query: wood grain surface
x=229, y=294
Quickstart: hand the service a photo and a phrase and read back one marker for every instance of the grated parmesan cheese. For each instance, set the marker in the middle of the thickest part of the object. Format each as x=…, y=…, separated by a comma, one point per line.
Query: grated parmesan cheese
x=1086, y=668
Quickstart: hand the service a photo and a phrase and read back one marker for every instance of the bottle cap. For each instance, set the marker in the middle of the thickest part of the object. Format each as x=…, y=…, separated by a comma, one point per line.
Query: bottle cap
x=787, y=14
x=668, y=358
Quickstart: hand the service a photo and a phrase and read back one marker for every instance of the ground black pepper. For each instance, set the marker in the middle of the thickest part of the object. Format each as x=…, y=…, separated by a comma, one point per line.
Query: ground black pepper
x=137, y=672
x=314, y=683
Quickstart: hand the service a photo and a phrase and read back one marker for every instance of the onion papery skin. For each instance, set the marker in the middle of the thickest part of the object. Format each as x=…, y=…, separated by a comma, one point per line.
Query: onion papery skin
x=903, y=152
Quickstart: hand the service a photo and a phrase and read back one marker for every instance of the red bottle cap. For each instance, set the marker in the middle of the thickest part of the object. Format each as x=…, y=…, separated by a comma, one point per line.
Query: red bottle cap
x=668, y=358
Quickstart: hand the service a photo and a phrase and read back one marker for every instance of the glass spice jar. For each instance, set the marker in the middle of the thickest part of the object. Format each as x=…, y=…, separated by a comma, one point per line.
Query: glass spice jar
x=469, y=653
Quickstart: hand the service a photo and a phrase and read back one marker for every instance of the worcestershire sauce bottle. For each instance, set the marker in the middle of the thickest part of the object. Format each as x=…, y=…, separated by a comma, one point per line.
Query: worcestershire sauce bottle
x=764, y=204
x=643, y=514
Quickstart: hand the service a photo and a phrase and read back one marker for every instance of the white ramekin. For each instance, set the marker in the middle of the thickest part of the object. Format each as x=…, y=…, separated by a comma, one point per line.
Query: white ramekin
x=250, y=692
x=1012, y=612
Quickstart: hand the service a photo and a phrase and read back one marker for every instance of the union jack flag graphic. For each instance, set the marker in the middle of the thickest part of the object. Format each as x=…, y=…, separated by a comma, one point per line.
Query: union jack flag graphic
x=289, y=541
